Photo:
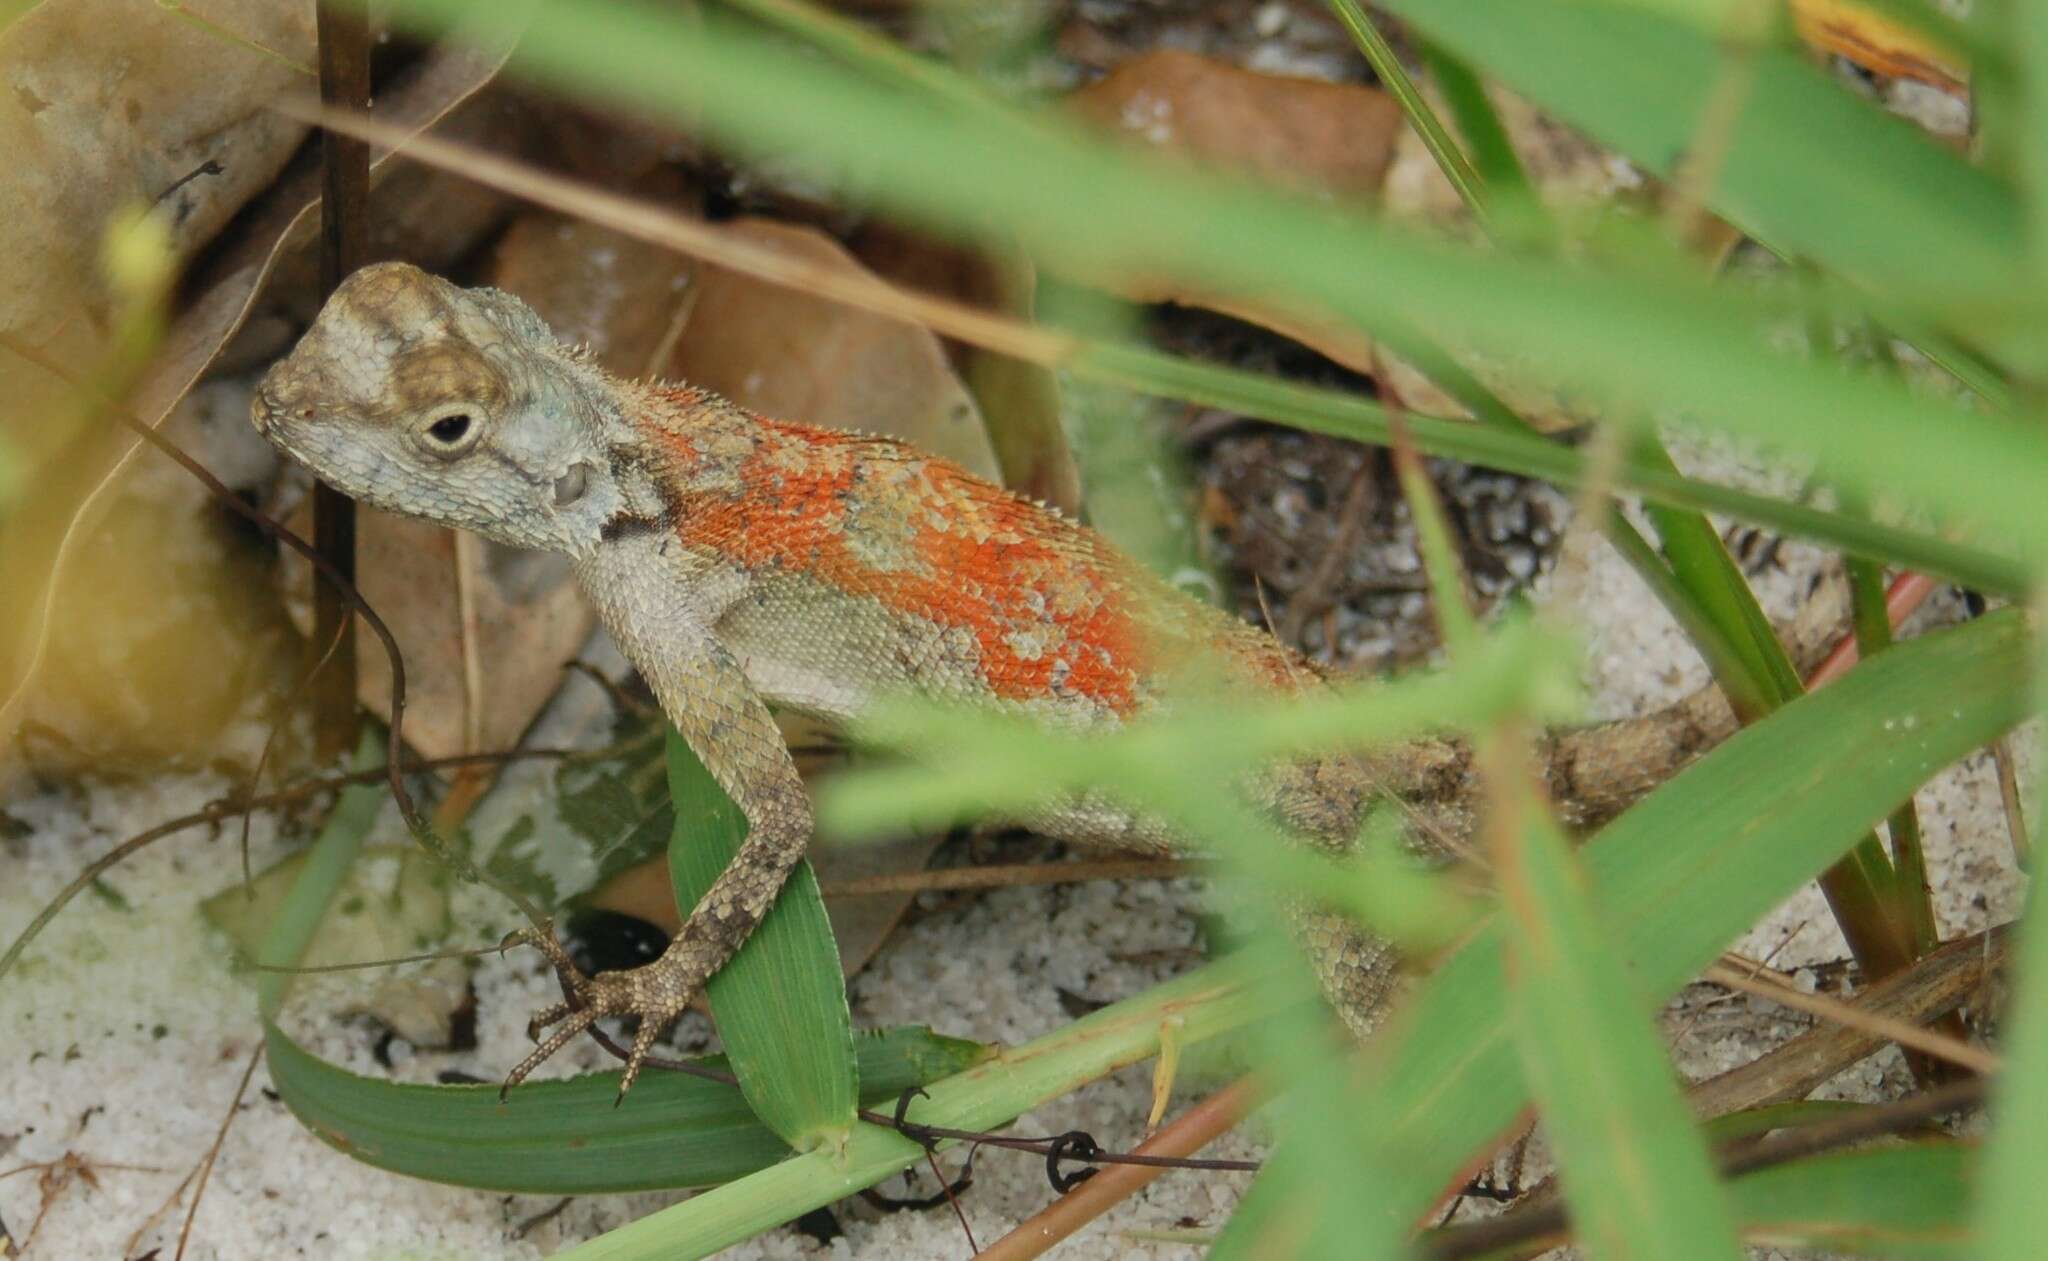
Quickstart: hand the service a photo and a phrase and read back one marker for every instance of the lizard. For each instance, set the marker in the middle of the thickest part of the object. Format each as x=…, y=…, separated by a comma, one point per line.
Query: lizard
x=742, y=562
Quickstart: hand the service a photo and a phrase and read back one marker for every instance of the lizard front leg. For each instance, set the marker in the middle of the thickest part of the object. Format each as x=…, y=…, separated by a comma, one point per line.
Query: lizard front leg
x=706, y=695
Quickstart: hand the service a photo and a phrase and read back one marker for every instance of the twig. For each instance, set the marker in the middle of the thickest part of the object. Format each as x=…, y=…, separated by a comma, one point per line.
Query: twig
x=1547, y=1221
x=1932, y=987
x=1312, y=597
x=344, y=47
x=1048, y=1145
x=1009, y=875
x=1907, y=593
x=1848, y=1015
x=213, y=1152
x=1188, y=1133
x=270, y=741
x=542, y=1218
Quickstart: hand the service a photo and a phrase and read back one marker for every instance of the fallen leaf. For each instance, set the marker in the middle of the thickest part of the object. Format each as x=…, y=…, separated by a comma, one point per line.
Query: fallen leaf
x=112, y=105
x=1326, y=138
x=1020, y=400
x=623, y=298
x=793, y=356
x=485, y=630
x=421, y=214
x=1330, y=139
x=393, y=902
x=50, y=531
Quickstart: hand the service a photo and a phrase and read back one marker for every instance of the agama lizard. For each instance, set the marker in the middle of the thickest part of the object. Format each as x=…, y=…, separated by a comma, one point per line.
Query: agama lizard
x=742, y=562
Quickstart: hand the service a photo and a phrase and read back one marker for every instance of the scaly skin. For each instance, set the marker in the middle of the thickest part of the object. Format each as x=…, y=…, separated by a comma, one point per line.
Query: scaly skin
x=741, y=561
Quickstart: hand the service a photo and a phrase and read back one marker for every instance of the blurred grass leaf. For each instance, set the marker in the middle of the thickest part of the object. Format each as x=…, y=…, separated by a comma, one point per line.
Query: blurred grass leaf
x=1685, y=870
x=1809, y=169
x=1695, y=863
x=322, y=875
x=978, y=762
x=1662, y=337
x=1634, y=1168
x=2013, y=1213
x=1910, y=1201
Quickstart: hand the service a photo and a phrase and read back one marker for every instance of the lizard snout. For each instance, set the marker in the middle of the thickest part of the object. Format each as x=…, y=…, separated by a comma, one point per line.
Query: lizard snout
x=273, y=399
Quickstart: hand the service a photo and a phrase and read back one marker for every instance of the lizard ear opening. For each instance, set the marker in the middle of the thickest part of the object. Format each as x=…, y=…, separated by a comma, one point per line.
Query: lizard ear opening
x=570, y=486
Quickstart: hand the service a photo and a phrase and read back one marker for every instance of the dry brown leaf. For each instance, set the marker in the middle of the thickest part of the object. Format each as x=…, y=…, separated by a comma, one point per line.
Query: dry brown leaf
x=1020, y=399
x=420, y=214
x=485, y=630
x=50, y=533
x=1331, y=139
x=110, y=105
x=623, y=298
x=795, y=356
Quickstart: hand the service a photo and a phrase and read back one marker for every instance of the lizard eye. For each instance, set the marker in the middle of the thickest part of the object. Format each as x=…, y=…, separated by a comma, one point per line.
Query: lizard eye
x=451, y=433
x=449, y=429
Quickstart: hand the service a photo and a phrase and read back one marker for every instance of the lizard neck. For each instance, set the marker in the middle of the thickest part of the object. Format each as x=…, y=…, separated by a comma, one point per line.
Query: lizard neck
x=637, y=463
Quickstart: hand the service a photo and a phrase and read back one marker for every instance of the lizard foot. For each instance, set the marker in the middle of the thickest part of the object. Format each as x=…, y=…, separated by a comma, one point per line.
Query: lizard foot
x=657, y=993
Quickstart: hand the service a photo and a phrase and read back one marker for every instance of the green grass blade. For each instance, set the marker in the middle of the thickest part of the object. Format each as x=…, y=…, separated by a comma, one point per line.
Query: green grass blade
x=1899, y=1202
x=1493, y=154
x=1345, y=416
x=1215, y=1000
x=780, y=1003
x=2013, y=1214
x=1393, y=76
x=1759, y=677
x=1811, y=170
x=1635, y=1171
x=1697, y=862
x=326, y=866
x=564, y=1137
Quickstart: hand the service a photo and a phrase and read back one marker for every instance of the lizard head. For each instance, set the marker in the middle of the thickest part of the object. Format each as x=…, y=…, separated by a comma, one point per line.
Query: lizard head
x=453, y=405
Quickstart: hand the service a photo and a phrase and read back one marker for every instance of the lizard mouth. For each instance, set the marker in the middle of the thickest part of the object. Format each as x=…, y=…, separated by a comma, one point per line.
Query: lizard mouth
x=262, y=412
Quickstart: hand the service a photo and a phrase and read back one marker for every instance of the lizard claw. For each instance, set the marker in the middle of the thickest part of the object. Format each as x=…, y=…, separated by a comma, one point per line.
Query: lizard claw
x=656, y=993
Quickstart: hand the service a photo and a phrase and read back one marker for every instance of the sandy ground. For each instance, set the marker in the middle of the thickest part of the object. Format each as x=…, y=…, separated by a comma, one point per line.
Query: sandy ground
x=129, y=1032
